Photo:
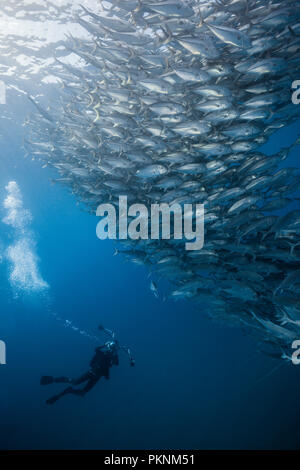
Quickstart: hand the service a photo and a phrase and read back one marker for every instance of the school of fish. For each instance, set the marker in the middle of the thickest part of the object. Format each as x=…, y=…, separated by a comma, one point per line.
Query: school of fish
x=171, y=101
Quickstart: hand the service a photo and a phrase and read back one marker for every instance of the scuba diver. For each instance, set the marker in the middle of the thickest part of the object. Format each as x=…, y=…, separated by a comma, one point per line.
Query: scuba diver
x=104, y=358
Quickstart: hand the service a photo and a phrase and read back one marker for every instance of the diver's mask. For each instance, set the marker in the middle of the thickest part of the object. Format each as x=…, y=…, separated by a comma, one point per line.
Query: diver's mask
x=111, y=346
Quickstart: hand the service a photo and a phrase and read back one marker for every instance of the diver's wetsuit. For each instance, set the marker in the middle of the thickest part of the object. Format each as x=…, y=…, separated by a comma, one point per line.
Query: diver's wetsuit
x=104, y=358
x=99, y=367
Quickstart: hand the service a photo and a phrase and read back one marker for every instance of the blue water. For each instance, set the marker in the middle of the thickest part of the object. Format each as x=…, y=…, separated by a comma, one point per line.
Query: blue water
x=196, y=384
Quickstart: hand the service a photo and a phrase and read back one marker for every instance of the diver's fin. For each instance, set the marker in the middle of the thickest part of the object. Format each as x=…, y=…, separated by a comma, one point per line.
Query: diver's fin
x=47, y=380
x=63, y=380
x=52, y=400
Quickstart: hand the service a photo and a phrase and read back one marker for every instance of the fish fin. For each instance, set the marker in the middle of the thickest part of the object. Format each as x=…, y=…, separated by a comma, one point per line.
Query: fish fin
x=292, y=31
x=168, y=34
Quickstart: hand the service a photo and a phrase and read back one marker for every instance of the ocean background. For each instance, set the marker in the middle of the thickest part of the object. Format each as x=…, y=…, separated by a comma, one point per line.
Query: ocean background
x=196, y=385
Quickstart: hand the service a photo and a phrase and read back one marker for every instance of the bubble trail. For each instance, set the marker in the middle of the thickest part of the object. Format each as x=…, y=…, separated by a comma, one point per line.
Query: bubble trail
x=24, y=273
